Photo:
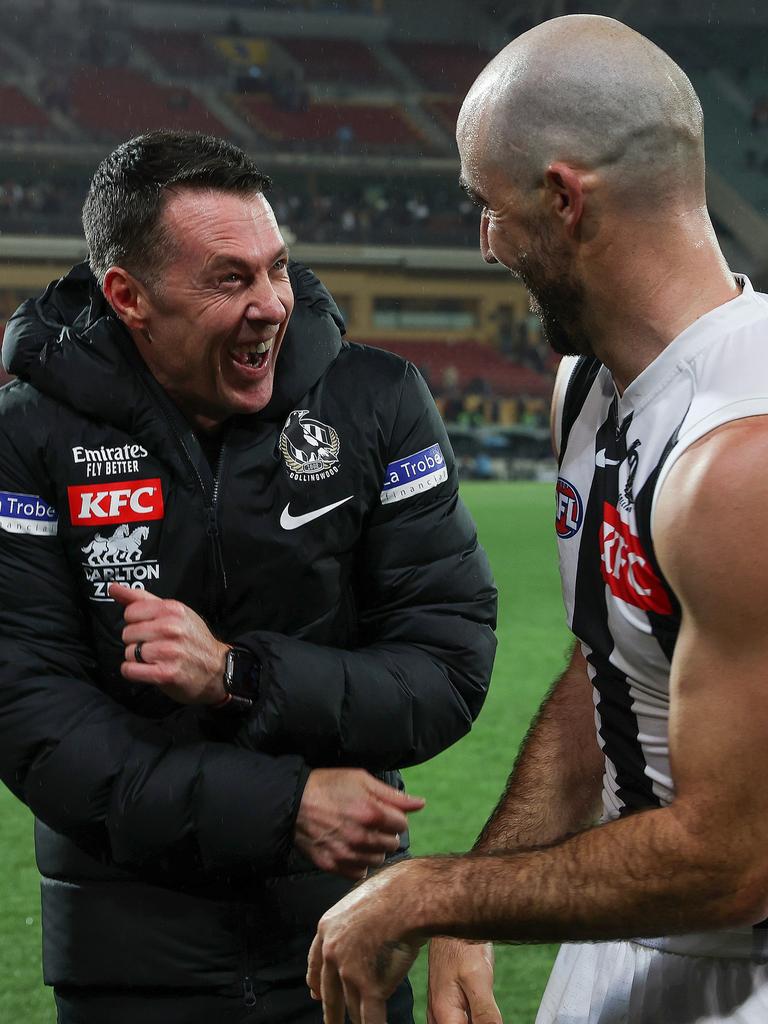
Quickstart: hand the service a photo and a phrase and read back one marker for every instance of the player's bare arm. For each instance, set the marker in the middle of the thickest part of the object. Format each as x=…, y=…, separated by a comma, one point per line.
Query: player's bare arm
x=552, y=791
x=696, y=864
x=554, y=787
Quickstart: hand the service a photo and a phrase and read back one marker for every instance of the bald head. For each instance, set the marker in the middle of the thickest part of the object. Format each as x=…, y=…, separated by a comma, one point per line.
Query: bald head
x=592, y=93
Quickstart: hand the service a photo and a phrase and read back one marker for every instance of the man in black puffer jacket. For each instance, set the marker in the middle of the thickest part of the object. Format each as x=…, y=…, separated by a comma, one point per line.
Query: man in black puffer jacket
x=235, y=598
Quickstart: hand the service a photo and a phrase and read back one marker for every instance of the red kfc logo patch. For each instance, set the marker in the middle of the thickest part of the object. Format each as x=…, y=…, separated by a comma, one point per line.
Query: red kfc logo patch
x=129, y=501
x=626, y=568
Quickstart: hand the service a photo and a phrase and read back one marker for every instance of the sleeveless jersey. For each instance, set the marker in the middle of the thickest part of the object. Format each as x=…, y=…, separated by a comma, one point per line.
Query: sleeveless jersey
x=615, y=452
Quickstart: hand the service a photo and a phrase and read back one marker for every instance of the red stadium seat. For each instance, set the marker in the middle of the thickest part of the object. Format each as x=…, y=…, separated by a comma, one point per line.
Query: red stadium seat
x=445, y=111
x=182, y=53
x=18, y=112
x=370, y=124
x=471, y=360
x=117, y=103
x=335, y=60
x=443, y=67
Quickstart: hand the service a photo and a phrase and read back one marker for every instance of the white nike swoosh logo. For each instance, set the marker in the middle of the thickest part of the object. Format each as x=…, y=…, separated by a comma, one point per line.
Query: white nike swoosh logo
x=289, y=522
x=601, y=462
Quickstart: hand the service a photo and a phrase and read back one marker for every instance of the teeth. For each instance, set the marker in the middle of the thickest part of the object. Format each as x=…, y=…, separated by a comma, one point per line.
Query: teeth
x=253, y=355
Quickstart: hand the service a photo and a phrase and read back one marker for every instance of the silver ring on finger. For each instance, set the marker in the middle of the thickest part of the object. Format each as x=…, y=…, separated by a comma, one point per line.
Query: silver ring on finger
x=137, y=653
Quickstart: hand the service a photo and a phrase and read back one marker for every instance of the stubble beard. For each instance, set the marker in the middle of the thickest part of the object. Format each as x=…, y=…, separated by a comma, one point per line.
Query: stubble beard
x=557, y=298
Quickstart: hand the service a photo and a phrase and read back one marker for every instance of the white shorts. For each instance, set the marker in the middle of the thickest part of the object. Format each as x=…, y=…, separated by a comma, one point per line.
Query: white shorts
x=626, y=983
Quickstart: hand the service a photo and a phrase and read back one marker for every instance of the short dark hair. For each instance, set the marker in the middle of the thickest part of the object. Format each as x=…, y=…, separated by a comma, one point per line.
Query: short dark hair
x=125, y=201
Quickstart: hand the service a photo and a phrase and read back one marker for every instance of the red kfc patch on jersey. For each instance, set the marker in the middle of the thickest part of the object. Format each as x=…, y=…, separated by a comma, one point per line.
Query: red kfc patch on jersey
x=626, y=568
x=128, y=501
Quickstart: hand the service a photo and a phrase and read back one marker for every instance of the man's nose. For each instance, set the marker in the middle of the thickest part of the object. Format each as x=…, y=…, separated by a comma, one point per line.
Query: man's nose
x=485, y=247
x=264, y=303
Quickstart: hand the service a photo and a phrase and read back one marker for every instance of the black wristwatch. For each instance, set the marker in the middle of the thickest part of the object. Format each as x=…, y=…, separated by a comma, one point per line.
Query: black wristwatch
x=242, y=676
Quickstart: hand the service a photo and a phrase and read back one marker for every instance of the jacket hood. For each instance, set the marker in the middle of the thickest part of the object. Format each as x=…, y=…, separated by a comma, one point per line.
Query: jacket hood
x=69, y=344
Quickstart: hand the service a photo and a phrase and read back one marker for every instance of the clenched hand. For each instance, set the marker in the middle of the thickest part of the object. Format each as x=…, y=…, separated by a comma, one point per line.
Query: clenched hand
x=179, y=653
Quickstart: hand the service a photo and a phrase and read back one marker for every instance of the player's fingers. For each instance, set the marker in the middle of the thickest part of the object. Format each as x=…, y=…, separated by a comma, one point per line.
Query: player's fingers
x=446, y=1009
x=456, y=1001
x=314, y=966
x=332, y=994
x=373, y=1010
x=352, y=1001
x=486, y=1012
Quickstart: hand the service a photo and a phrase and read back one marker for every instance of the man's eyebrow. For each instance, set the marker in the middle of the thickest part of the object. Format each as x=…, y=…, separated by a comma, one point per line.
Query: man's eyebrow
x=476, y=198
x=230, y=260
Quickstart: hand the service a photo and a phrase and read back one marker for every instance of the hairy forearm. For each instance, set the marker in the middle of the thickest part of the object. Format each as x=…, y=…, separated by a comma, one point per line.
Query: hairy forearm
x=554, y=788
x=651, y=874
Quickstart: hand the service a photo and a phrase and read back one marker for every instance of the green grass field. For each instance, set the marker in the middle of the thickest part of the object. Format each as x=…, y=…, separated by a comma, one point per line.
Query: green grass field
x=461, y=786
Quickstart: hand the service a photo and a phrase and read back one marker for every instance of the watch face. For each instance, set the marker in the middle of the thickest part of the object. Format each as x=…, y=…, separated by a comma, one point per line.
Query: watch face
x=242, y=673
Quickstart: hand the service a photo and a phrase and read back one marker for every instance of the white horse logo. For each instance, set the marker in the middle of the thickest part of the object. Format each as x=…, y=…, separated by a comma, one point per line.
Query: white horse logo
x=122, y=546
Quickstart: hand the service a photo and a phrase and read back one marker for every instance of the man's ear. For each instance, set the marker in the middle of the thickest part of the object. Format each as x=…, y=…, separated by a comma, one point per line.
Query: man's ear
x=127, y=296
x=566, y=188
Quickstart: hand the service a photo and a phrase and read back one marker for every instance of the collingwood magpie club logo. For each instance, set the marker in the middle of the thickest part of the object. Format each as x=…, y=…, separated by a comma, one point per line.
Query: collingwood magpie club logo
x=118, y=558
x=310, y=448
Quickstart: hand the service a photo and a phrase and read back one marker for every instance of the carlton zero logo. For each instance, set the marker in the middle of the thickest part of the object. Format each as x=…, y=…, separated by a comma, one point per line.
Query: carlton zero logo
x=569, y=509
x=128, y=501
x=118, y=558
x=625, y=567
x=310, y=448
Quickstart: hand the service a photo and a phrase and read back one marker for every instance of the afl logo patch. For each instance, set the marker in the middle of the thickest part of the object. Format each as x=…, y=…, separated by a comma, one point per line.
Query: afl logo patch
x=310, y=448
x=569, y=509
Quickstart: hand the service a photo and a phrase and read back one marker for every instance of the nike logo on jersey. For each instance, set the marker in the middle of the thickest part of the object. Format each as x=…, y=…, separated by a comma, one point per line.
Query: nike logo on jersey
x=289, y=522
x=601, y=462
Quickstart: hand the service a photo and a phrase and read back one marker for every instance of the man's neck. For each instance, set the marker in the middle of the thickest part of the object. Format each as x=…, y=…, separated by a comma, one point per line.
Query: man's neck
x=653, y=284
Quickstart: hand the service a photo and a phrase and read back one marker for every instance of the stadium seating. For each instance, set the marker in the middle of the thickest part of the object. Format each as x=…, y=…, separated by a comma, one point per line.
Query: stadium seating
x=19, y=115
x=335, y=60
x=442, y=67
x=112, y=103
x=470, y=360
x=182, y=53
x=322, y=124
x=445, y=111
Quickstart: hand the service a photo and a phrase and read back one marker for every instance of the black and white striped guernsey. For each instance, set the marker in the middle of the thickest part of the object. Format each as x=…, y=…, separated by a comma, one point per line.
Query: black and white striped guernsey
x=615, y=452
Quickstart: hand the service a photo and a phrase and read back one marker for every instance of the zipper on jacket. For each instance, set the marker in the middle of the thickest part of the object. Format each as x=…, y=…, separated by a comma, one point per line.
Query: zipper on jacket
x=219, y=577
x=249, y=996
x=218, y=585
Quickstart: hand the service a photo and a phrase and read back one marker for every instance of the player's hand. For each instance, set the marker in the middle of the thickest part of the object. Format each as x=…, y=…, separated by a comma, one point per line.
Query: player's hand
x=178, y=651
x=363, y=948
x=348, y=820
x=461, y=983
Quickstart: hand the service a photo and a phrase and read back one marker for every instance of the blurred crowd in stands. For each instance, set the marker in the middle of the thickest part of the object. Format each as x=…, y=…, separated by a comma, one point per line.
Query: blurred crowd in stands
x=478, y=405
x=34, y=202
x=379, y=212
x=375, y=212
x=326, y=6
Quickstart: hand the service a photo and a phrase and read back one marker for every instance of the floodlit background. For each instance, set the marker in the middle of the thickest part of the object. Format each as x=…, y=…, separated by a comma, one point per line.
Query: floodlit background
x=350, y=106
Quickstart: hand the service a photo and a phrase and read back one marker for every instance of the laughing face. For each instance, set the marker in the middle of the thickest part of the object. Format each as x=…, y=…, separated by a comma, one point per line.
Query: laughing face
x=214, y=325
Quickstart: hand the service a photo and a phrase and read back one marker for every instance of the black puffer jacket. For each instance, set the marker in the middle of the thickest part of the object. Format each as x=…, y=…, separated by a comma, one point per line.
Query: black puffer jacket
x=164, y=832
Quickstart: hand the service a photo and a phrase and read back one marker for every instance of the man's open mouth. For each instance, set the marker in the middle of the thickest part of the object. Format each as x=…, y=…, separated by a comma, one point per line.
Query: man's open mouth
x=253, y=356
